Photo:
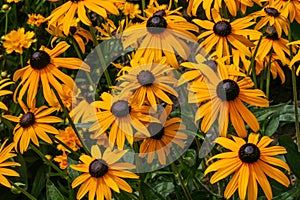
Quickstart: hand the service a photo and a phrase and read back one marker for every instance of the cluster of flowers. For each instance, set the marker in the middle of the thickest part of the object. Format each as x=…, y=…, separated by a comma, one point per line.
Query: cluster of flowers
x=218, y=75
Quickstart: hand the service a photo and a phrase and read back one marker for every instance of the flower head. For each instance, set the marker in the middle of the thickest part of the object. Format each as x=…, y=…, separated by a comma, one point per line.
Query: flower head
x=222, y=95
x=16, y=40
x=69, y=9
x=5, y=154
x=34, y=123
x=35, y=19
x=69, y=138
x=101, y=173
x=44, y=67
x=251, y=162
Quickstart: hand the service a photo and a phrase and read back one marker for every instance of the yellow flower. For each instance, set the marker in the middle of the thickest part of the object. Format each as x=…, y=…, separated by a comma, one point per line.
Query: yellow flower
x=149, y=82
x=272, y=15
x=251, y=163
x=10, y=1
x=222, y=95
x=16, y=40
x=164, y=134
x=122, y=117
x=69, y=9
x=5, y=154
x=35, y=19
x=292, y=9
x=33, y=124
x=131, y=10
x=62, y=160
x=81, y=36
x=163, y=32
x=101, y=173
x=221, y=33
x=44, y=66
x=3, y=84
x=69, y=138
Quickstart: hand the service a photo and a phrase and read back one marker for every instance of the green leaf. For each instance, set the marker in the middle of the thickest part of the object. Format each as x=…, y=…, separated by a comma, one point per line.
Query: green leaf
x=52, y=192
x=39, y=181
x=272, y=126
x=149, y=193
x=165, y=188
x=293, y=156
x=289, y=195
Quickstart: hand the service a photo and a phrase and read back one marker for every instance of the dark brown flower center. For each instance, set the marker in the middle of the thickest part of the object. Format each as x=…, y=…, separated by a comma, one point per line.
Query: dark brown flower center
x=272, y=12
x=156, y=24
x=39, y=59
x=145, y=78
x=249, y=153
x=161, y=13
x=228, y=90
x=98, y=168
x=120, y=108
x=27, y=120
x=73, y=30
x=156, y=130
x=211, y=63
x=271, y=33
x=222, y=28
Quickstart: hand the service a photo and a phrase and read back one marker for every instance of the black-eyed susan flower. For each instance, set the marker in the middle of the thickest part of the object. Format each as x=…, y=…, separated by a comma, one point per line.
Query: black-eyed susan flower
x=16, y=40
x=163, y=32
x=44, y=67
x=292, y=9
x=273, y=42
x=71, y=8
x=150, y=82
x=275, y=67
x=81, y=36
x=251, y=162
x=221, y=33
x=5, y=154
x=296, y=58
x=193, y=73
x=122, y=117
x=33, y=124
x=164, y=134
x=3, y=84
x=222, y=95
x=272, y=15
x=35, y=19
x=101, y=173
x=233, y=6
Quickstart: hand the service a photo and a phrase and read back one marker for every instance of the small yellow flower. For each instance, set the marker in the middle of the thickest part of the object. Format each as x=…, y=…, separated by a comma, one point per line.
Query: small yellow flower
x=62, y=160
x=132, y=10
x=35, y=19
x=68, y=137
x=16, y=40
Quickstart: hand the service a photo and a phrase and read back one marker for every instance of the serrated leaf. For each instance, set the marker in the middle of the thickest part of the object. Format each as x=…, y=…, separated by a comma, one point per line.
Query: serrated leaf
x=52, y=192
x=293, y=156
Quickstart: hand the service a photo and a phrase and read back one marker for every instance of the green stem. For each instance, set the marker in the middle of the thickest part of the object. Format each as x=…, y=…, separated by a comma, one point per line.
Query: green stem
x=48, y=162
x=295, y=94
x=6, y=22
x=206, y=188
x=79, y=54
x=21, y=60
x=269, y=74
x=182, y=184
x=252, y=64
x=101, y=56
x=143, y=8
x=71, y=122
x=29, y=196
